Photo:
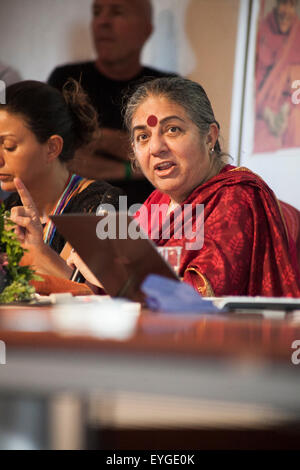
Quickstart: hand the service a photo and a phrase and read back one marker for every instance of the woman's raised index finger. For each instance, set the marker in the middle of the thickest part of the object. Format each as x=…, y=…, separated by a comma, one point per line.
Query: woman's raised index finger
x=24, y=194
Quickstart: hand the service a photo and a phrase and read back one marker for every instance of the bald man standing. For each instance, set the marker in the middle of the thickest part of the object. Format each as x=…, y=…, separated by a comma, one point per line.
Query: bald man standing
x=120, y=29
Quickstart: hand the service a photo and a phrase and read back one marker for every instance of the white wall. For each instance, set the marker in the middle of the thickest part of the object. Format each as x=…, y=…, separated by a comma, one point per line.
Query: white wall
x=37, y=35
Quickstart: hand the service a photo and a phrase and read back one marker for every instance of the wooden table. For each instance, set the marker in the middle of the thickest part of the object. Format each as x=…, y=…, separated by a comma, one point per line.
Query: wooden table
x=237, y=365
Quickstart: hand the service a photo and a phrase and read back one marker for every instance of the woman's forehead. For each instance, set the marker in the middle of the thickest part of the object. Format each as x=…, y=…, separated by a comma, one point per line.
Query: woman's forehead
x=11, y=119
x=158, y=107
x=14, y=123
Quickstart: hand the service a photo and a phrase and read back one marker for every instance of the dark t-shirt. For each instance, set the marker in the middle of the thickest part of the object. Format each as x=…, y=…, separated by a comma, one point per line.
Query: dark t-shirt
x=107, y=96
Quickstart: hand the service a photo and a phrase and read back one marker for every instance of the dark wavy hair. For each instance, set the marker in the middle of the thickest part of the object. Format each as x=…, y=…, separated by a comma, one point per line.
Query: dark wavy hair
x=47, y=112
x=186, y=93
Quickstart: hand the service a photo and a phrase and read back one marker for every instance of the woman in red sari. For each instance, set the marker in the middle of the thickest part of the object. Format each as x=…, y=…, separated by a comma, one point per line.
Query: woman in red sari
x=246, y=247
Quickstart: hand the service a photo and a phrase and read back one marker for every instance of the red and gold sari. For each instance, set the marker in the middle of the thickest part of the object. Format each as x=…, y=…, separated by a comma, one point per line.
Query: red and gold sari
x=246, y=248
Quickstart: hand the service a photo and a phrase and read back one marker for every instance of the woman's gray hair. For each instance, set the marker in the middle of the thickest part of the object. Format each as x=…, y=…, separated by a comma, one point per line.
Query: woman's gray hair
x=186, y=93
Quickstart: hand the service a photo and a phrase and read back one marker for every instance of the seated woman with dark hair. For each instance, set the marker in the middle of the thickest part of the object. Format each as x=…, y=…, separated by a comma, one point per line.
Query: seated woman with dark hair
x=40, y=130
x=247, y=249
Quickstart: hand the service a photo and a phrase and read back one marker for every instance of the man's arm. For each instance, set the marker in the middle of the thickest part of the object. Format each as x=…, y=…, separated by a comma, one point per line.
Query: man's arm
x=112, y=142
x=105, y=158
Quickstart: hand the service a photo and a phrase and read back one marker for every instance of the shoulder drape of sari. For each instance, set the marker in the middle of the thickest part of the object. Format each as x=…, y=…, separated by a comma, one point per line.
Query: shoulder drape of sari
x=292, y=219
x=246, y=248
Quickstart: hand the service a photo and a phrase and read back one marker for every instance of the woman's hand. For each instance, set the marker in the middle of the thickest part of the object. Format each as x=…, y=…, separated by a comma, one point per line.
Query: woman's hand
x=28, y=228
x=74, y=261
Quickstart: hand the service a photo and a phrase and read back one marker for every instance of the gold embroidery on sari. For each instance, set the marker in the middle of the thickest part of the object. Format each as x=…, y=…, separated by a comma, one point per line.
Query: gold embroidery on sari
x=205, y=289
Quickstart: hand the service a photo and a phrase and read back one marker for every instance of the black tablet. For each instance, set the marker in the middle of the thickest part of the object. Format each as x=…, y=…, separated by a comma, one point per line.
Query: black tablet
x=115, y=249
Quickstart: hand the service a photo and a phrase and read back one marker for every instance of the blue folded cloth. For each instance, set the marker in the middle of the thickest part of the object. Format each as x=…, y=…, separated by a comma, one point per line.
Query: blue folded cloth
x=174, y=296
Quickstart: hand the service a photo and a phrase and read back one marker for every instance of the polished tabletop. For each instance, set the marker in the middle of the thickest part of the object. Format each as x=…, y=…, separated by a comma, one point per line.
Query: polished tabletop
x=235, y=368
x=245, y=335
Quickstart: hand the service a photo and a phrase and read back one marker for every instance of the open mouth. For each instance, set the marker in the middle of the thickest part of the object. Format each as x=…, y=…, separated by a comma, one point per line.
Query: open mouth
x=4, y=177
x=164, y=166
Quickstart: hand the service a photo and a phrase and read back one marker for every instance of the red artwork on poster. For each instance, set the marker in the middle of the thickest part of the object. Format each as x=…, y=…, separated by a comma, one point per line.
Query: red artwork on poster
x=277, y=76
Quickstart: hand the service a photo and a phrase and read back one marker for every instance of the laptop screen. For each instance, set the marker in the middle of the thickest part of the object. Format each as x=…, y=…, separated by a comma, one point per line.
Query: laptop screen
x=115, y=250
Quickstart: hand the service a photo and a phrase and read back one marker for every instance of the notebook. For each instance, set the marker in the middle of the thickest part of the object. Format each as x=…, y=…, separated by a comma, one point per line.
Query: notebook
x=259, y=303
x=118, y=261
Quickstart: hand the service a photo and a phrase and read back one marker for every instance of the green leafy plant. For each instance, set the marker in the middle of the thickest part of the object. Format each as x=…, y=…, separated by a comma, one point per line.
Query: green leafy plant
x=14, y=279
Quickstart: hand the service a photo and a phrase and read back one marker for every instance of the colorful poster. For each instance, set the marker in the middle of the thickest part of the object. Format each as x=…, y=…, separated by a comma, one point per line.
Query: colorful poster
x=277, y=76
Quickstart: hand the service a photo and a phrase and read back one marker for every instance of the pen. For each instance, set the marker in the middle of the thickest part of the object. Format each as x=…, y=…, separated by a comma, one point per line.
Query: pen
x=77, y=276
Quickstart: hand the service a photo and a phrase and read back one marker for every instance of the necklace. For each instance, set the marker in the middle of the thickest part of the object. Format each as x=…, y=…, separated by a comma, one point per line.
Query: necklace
x=72, y=186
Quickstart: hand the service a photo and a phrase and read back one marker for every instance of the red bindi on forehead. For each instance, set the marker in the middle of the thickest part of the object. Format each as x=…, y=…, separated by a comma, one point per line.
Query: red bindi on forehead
x=152, y=120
